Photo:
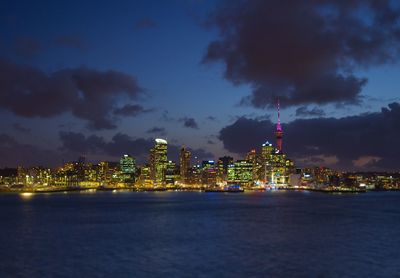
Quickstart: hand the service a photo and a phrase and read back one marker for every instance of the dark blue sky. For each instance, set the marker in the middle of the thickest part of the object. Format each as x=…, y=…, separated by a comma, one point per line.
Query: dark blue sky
x=200, y=67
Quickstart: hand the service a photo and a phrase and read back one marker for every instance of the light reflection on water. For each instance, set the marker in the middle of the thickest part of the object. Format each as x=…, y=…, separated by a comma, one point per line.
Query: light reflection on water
x=26, y=195
x=193, y=234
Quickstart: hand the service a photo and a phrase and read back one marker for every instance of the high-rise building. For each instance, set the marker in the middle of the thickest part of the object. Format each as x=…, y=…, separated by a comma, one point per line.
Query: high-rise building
x=251, y=155
x=252, y=158
x=158, y=161
x=243, y=172
x=21, y=175
x=194, y=175
x=267, y=151
x=128, y=167
x=171, y=173
x=279, y=169
x=184, y=164
x=208, y=172
x=145, y=179
x=103, y=173
x=230, y=174
x=127, y=164
x=222, y=167
x=279, y=131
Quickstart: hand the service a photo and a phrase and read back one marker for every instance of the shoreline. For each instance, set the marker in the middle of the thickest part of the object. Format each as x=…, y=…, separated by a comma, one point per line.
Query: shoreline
x=204, y=190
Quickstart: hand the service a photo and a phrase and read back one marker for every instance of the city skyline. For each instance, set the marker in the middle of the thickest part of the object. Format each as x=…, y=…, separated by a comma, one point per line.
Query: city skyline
x=202, y=74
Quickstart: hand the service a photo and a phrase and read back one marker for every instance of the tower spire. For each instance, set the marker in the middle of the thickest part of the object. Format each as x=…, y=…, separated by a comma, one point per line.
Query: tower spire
x=279, y=131
x=278, y=125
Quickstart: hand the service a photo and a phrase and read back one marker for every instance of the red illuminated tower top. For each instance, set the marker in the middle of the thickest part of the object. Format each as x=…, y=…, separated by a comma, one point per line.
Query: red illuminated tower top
x=279, y=131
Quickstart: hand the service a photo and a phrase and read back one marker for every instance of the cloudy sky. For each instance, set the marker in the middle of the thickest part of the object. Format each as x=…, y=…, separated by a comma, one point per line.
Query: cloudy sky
x=103, y=78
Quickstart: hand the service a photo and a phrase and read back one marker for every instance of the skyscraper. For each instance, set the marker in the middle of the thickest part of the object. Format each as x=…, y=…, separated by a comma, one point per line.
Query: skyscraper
x=279, y=131
x=267, y=151
x=145, y=179
x=158, y=161
x=252, y=158
x=128, y=167
x=208, y=172
x=223, y=163
x=170, y=173
x=243, y=172
x=184, y=163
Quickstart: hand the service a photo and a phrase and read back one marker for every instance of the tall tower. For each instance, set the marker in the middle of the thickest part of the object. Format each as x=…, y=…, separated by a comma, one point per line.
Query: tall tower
x=279, y=131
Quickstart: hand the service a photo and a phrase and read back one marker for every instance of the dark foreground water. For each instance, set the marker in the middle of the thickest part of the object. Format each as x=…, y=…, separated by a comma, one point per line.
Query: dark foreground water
x=182, y=234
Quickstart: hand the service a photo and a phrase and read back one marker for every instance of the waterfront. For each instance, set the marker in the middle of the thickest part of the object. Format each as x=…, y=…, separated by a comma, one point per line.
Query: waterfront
x=173, y=234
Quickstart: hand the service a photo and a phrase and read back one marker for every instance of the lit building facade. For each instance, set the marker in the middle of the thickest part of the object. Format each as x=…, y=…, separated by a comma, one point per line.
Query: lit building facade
x=222, y=168
x=243, y=172
x=184, y=164
x=128, y=168
x=208, y=172
x=265, y=171
x=171, y=173
x=158, y=161
x=145, y=179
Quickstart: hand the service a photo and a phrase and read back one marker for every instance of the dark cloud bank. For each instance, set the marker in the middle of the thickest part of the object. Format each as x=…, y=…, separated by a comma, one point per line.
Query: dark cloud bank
x=303, y=51
x=120, y=144
x=88, y=94
x=75, y=144
x=14, y=153
x=304, y=111
x=367, y=141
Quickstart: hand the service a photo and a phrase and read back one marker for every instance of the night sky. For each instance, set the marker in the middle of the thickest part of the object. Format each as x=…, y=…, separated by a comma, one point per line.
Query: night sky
x=104, y=78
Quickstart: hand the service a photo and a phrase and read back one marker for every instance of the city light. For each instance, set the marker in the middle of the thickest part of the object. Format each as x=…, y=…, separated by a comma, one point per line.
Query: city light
x=264, y=168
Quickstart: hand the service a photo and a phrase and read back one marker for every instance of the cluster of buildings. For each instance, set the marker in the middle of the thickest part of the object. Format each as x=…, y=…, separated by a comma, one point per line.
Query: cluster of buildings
x=322, y=177
x=269, y=167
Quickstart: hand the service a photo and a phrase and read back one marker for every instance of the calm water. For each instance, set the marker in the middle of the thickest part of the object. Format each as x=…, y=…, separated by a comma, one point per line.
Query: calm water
x=168, y=234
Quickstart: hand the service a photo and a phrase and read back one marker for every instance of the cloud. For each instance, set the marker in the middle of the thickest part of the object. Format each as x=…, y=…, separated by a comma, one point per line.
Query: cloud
x=20, y=128
x=14, y=153
x=366, y=141
x=157, y=130
x=145, y=23
x=71, y=42
x=87, y=93
x=303, y=51
x=79, y=143
x=132, y=110
x=189, y=123
x=26, y=47
x=364, y=161
x=317, y=160
x=119, y=144
x=211, y=118
x=245, y=134
x=303, y=111
x=165, y=116
x=201, y=154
